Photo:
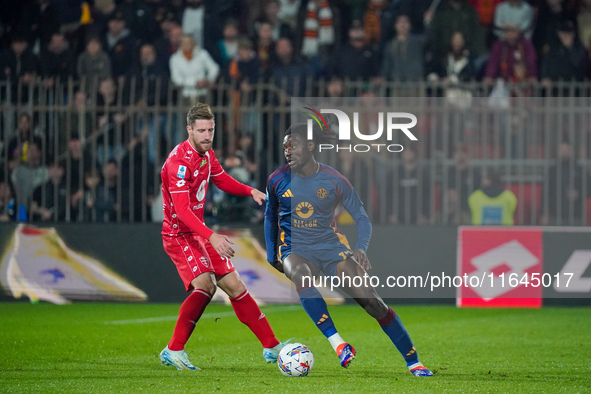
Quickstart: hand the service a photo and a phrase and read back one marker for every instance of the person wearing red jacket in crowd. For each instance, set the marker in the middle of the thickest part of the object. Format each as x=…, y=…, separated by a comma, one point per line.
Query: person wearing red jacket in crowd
x=202, y=257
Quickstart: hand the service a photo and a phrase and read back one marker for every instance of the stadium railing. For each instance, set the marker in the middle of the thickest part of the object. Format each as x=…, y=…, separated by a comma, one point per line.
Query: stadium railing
x=535, y=135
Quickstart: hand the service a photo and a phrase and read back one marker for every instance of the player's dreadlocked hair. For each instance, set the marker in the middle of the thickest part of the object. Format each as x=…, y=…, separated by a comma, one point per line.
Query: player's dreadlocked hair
x=319, y=136
x=199, y=111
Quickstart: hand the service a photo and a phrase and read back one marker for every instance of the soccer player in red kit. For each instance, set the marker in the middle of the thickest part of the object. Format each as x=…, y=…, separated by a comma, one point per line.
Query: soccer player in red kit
x=202, y=257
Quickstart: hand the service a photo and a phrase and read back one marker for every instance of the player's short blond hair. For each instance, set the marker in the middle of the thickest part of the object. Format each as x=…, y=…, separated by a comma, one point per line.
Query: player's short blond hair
x=199, y=111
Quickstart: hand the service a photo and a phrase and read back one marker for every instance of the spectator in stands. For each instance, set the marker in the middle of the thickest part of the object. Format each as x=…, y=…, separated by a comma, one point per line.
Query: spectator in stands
x=318, y=30
x=106, y=200
x=565, y=60
x=550, y=14
x=137, y=176
x=377, y=22
x=151, y=78
x=420, y=13
x=244, y=68
x=288, y=71
x=452, y=16
x=356, y=60
x=193, y=69
x=19, y=66
x=29, y=175
x=457, y=65
x=112, y=120
x=170, y=42
x=50, y=199
x=460, y=181
x=564, y=189
x=506, y=52
x=119, y=45
x=408, y=192
x=403, y=57
x=227, y=46
x=59, y=61
x=7, y=203
x=77, y=164
x=270, y=14
x=515, y=13
x=203, y=20
x=39, y=21
x=24, y=137
x=492, y=204
x=265, y=46
x=94, y=64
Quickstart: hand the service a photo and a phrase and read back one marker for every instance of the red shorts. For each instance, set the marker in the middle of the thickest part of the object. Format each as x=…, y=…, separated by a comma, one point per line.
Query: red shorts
x=193, y=255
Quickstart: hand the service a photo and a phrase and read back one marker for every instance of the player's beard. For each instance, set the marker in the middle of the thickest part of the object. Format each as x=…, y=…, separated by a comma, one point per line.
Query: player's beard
x=200, y=145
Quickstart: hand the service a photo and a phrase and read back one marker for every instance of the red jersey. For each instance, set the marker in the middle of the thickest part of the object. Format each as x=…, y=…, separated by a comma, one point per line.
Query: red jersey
x=185, y=176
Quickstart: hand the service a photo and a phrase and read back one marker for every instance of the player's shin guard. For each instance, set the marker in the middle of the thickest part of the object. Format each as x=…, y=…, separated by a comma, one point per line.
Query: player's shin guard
x=316, y=308
x=249, y=313
x=189, y=314
x=393, y=327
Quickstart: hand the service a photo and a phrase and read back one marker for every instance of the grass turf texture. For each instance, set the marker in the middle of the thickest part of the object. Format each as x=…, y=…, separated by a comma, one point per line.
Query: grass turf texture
x=49, y=348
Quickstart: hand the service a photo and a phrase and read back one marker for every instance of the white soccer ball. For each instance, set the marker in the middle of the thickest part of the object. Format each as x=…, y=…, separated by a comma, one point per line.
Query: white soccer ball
x=295, y=359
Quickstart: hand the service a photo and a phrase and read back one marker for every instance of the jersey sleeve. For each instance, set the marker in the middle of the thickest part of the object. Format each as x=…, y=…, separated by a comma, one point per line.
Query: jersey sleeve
x=224, y=181
x=354, y=206
x=177, y=177
x=271, y=223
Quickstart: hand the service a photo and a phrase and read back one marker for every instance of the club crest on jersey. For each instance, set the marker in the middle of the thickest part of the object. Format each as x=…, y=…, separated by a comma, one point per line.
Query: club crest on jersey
x=204, y=261
x=321, y=193
x=181, y=172
x=203, y=162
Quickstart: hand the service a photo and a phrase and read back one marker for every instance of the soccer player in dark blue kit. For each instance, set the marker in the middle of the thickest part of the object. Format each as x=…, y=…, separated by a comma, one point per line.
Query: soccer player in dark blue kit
x=302, y=198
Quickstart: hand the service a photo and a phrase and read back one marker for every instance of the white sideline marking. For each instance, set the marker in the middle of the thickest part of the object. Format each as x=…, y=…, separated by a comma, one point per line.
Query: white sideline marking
x=277, y=309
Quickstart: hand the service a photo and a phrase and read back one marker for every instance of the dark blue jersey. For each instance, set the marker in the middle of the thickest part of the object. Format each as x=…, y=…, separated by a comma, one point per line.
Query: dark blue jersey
x=303, y=209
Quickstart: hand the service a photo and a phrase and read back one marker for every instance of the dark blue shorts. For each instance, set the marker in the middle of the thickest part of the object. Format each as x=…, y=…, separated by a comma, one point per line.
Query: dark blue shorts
x=323, y=255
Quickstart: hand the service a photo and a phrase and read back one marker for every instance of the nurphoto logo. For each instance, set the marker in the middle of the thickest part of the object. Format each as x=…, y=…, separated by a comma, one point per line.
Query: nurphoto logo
x=394, y=122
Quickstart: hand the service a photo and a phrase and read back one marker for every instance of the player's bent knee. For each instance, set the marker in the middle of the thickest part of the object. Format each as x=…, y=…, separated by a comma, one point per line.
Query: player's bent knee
x=205, y=281
x=232, y=285
x=375, y=307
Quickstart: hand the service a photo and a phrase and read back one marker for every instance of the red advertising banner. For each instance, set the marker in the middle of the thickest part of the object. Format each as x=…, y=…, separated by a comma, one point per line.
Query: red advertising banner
x=501, y=267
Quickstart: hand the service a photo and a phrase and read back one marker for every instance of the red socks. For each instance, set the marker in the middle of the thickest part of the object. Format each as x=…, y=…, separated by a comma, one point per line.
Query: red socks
x=249, y=313
x=191, y=310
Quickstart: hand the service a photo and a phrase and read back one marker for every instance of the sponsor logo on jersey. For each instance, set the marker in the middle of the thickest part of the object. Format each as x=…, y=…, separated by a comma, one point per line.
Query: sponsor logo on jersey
x=195, y=207
x=287, y=194
x=304, y=210
x=181, y=183
x=321, y=193
x=196, y=173
x=181, y=172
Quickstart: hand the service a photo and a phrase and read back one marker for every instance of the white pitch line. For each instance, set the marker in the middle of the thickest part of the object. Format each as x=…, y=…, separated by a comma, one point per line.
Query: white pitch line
x=277, y=309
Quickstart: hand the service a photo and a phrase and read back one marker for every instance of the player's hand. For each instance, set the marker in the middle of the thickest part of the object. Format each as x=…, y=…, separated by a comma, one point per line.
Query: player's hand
x=221, y=244
x=258, y=196
x=362, y=259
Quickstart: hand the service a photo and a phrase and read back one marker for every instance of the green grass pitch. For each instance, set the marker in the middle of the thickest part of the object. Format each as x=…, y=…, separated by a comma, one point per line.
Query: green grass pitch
x=91, y=347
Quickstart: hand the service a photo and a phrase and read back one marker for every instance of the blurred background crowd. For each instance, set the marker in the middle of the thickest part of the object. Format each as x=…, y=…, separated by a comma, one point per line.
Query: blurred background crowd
x=94, y=93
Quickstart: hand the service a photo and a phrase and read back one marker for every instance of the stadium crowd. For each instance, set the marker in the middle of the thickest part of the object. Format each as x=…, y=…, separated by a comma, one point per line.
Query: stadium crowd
x=112, y=55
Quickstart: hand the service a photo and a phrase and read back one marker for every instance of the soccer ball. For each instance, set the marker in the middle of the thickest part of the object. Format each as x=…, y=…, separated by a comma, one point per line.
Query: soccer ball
x=295, y=359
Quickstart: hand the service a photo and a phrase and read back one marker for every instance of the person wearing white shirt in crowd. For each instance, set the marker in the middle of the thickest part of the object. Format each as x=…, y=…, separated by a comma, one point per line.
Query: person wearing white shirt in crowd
x=193, y=69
